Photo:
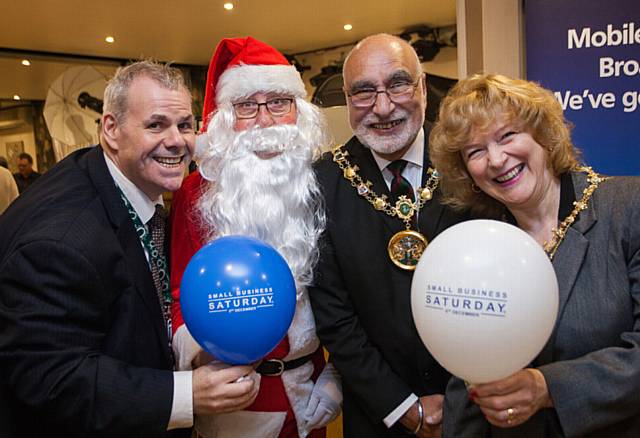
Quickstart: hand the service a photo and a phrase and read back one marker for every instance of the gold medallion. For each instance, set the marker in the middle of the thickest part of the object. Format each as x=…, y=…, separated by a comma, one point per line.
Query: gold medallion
x=405, y=208
x=405, y=249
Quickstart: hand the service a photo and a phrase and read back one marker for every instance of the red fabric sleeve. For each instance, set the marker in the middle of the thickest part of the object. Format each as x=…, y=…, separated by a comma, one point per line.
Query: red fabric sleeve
x=186, y=237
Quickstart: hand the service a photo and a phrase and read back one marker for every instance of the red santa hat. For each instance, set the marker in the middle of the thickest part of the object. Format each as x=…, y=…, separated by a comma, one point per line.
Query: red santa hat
x=241, y=67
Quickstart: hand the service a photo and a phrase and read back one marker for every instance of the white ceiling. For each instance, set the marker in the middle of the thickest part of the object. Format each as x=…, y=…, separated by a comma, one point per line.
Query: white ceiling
x=186, y=31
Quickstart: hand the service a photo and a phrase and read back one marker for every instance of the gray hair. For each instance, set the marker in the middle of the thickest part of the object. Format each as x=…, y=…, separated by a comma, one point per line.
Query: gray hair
x=115, y=95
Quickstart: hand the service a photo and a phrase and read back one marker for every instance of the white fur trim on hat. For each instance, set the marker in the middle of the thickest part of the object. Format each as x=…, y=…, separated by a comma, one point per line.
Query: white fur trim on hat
x=245, y=80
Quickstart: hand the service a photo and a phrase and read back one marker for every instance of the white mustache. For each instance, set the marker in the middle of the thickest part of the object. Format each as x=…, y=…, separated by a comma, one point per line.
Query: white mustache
x=271, y=139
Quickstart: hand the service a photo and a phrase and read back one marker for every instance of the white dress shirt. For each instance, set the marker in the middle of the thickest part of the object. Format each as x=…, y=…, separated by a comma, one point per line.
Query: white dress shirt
x=413, y=173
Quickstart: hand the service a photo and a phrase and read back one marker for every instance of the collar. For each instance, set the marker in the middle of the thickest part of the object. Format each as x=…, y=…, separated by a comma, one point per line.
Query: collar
x=567, y=198
x=140, y=202
x=415, y=154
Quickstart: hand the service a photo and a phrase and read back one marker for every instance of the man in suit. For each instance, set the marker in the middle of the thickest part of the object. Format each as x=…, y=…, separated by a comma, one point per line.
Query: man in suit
x=25, y=175
x=382, y=206
x=84, y=349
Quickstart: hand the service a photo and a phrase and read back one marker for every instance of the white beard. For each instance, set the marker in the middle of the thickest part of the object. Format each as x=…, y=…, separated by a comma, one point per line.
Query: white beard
x=390, y=144
x=276, y=200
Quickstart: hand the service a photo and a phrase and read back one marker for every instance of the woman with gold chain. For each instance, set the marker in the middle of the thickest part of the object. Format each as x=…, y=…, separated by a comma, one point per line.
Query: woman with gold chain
x=503, y=149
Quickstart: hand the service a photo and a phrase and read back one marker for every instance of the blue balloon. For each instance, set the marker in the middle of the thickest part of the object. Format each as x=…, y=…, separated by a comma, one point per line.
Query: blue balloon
x=238, y=298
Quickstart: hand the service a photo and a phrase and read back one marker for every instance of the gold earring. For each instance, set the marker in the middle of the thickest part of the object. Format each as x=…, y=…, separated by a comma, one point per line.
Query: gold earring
x=475, y=188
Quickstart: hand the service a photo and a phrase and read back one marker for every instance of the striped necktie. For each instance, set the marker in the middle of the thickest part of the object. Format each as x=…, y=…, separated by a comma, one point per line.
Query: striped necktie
x=399, y=184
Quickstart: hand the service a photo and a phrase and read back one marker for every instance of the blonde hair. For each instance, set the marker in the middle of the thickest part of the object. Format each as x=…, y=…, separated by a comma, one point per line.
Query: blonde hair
x=472, y=106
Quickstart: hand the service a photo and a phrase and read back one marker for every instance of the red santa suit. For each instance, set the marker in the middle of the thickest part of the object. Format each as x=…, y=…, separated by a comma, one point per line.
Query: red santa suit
x=278, y=410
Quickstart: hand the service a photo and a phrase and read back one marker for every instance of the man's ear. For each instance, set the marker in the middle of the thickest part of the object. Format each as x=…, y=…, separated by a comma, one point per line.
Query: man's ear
x=110, y=130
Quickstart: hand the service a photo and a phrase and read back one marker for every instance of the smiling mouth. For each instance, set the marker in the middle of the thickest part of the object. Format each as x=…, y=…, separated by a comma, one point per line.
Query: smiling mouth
x=169, y=161
x=387, y=125
x=510, y=174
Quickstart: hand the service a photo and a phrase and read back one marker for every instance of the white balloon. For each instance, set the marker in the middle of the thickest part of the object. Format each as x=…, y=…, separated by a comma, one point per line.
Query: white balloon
x=484, y=299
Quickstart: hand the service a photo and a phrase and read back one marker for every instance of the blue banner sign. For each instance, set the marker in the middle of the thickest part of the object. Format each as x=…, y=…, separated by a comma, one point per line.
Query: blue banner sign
x=588, y=53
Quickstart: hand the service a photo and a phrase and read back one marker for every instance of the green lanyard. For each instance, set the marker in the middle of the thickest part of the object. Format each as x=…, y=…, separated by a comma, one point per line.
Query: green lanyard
x=155, y=259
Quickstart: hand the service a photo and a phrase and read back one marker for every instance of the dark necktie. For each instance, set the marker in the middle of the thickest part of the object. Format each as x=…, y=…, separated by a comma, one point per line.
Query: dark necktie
x=157, y=260
x=399, y=184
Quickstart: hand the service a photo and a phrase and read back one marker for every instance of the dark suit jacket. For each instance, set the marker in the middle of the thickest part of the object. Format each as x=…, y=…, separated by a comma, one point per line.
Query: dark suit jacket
x=592, y=361
x=83, y=350
x=361, y=300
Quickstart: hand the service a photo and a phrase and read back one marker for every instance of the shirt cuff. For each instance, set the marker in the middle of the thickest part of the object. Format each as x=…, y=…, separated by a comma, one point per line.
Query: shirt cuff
x=398, y=412
x=182, y=406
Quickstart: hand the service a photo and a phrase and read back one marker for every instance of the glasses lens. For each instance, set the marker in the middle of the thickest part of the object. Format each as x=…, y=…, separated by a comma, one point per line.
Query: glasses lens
x=363, y=98
x=401, y=92
x=246, y=109
x=279, y=107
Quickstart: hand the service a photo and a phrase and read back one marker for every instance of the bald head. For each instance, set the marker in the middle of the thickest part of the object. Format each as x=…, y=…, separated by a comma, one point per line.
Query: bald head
x=382, y=44
x=386, y=94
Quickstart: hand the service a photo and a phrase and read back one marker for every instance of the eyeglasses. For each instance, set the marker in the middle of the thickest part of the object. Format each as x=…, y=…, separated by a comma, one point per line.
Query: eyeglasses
x=398, y=92
x=277, y=107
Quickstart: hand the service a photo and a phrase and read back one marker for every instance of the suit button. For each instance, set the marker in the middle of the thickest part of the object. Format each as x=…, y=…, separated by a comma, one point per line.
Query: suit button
x=427, y=376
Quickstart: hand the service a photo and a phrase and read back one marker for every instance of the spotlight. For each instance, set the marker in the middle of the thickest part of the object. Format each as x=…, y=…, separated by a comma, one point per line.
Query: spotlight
x=86, y=100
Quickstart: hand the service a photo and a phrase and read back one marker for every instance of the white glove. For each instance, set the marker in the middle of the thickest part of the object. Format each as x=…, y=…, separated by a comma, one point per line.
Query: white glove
x=185, y=348
x=325, y=400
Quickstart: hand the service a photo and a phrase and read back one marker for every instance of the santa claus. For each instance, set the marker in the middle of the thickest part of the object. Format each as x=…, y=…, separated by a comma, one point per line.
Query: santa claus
x=255, y=179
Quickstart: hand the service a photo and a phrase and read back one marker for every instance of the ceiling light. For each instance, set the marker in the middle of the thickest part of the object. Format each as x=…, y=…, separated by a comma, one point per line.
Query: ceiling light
x=347, y=27
x=228, y=6
x=16, y=97
x=26, y=62
x=110, y=39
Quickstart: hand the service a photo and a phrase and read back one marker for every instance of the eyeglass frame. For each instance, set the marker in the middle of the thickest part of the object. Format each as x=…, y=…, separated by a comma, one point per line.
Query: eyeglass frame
x=291, y=101
x=414, y=86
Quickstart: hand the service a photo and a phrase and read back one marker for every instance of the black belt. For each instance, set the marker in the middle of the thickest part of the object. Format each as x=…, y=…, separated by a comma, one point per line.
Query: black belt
x=275, y=367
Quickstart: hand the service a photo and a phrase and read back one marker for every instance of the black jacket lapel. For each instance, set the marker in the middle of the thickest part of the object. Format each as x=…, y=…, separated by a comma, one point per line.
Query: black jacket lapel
x=362, y=157
x=136, y=262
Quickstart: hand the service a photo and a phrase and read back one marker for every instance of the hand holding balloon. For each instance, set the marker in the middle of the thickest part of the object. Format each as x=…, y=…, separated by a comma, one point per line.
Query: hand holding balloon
x=513, y=400
x=219, y=388
x=238, y=298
